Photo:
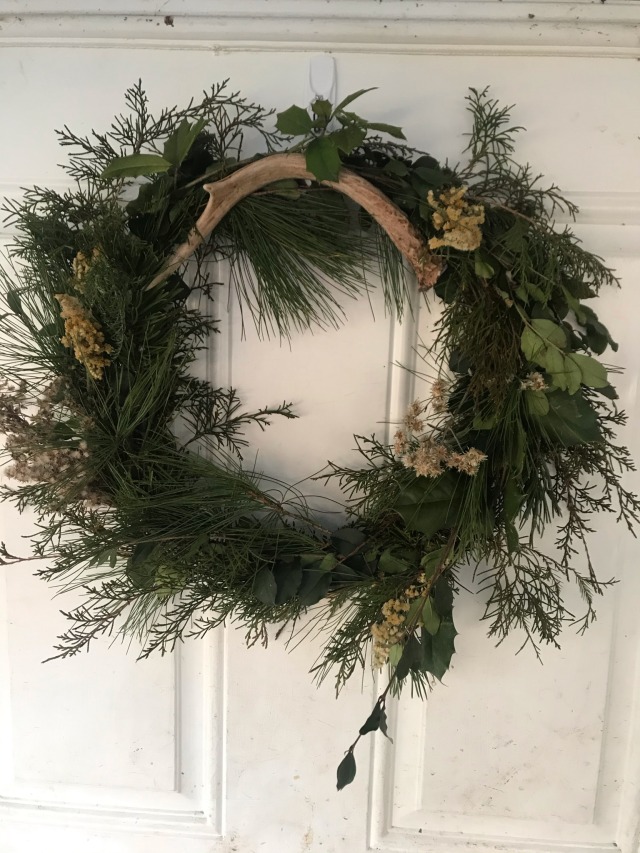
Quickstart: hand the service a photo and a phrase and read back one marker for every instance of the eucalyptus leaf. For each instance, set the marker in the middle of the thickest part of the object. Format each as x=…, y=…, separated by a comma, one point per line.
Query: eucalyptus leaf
x=265, y=587
x=346, y=771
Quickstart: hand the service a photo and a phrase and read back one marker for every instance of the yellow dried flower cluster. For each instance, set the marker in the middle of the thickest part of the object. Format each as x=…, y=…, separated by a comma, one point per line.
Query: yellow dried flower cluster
x=534, y=382
x=392, y=628
x=81, y=265
x=457, y=219
x=83, y=335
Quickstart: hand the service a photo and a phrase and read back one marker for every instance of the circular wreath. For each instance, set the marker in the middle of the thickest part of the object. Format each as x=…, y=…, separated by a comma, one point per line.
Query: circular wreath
x=133, y=466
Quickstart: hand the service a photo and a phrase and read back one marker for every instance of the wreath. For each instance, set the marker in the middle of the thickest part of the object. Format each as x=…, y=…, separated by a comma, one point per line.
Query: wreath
x=133, y=465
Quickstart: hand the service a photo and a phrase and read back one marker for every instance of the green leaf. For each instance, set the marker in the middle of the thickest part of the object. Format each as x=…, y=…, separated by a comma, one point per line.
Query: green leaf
x=377, y=720
x=315, y=584
x=442, y=595
x=288, y=577
x=428, y=505
x=391, y=129
x=398, y=168
x=536, y=402
x=346, y=540
x=538, y=338
x=389, y=564
x=411, y=658
x=294, y=122
x=265, y=588
x=346, y=771
x=594, y=374
x=430, y=618
x=438, y=650
x=348, y=137
x=482, y=267
x=179, y=143
x=135, y=165
x=351, y=98
x=570, y=420
x=323, y=159
x=141, y=571
x=322, y=108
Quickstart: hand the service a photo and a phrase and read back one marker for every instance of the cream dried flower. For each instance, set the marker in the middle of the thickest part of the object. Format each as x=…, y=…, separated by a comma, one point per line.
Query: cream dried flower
x=438, y=396
x=467, y=462
x=534, y=382
x=458, y=220
x=412, y=420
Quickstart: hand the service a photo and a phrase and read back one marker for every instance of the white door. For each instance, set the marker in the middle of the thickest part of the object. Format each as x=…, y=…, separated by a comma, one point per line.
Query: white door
x=220, y=749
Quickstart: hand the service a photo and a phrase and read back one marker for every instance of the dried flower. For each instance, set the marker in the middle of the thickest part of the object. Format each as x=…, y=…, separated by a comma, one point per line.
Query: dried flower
x=83, y=335
x=81, y=265
x=412, y=420
x=534, y=382
x=400, y=442
x=467, y=462
x=457, y=219
x=392, y=628
x=438, y=396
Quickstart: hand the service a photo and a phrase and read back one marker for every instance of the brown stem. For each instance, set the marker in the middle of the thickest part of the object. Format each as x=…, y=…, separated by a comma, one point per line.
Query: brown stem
x=226, y=193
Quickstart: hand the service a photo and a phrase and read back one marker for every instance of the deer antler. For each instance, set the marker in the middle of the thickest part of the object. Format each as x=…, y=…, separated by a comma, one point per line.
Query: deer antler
x=226, y=193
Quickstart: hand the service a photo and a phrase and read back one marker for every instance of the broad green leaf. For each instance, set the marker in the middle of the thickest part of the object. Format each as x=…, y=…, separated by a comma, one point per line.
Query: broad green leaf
x=179, y=143
x=430, y=563
x=294, y=122
x=536, y=402
x=348, y=137
x=288, y=577
x=346, y=771
x=398, y=168
x=265, y=588
x=315, y=584
x=570, y=420
x=135, y=165
x=443, y=649
x=389, y=564
x=569, y=378
x=391, y=129
x=377, y=720
x=430, y=618
x=322, y=108
x=346, y=540
x=594, y=374
x=323, y=159
x=482, y=267
x=539, y=337
x=427, y=505
x=411, y=658
x=442, y=595
x=141, y=571
x=351, y=98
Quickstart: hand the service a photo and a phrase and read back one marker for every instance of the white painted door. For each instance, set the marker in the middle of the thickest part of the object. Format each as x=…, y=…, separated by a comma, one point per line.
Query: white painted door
x=220, y=749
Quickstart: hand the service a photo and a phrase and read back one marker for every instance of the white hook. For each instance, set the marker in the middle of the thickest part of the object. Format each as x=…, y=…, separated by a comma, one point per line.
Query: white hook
x=322, y=78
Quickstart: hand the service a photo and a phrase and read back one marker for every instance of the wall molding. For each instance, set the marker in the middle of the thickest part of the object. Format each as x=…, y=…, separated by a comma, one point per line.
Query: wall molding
x=504, y=27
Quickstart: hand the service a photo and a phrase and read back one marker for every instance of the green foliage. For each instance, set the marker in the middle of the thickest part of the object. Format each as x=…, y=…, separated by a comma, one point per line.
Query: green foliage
x=137, y=480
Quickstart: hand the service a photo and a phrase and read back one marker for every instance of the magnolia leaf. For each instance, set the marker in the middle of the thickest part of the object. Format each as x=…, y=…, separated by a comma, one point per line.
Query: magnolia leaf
x=594, y=374
x=427, y=505
x=323, y=159
x=537, y=403
x=346, y=771
x=294, y=122
x=265, y=587
x=391, y=129
x=179, y=143
x=135, y=165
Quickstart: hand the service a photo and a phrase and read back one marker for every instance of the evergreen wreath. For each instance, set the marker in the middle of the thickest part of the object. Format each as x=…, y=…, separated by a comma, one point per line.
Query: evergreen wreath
x=134, y=467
